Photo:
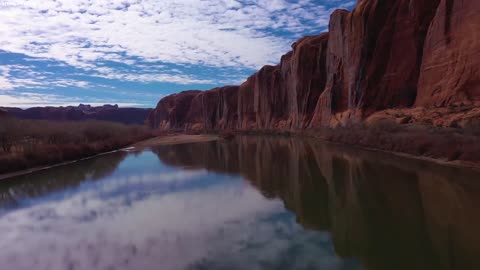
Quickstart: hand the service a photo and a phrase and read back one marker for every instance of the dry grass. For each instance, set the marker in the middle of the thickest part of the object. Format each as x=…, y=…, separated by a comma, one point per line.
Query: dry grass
x=29, y=143
x=419, y=140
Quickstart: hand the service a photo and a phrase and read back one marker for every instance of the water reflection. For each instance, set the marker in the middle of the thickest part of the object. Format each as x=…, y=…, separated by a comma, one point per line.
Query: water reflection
x=305, y=205
x=390, y=212
x=17, y=189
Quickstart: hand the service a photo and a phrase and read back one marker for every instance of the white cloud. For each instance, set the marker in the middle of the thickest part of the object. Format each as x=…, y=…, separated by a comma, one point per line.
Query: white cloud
x=26, y=77
x=28, y=100
x=149, y=40
x=153, y=77
x=206, y=32
x=5, y=83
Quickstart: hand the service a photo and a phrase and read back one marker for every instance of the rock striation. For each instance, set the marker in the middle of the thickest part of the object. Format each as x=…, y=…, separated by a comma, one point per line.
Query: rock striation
x=383, y=55
x=172, y=110
x=450, y=70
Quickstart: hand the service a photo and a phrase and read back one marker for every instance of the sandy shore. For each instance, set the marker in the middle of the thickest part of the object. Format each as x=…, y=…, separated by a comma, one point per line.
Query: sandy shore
x=175, y=139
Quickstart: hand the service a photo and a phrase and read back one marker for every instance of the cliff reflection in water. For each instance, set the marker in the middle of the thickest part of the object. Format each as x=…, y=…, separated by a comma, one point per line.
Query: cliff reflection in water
x=390, y=212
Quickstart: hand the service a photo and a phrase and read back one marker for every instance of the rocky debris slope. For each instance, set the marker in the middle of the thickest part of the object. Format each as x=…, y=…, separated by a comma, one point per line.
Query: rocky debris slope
x=412, y=56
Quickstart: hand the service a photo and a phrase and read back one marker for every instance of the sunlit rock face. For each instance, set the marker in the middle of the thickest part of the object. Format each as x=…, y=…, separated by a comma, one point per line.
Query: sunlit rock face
x=390, y=212
x=383, y=55
x=374, y=57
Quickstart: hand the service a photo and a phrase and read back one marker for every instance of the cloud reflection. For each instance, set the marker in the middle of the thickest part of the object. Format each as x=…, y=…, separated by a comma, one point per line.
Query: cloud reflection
x=178, y=224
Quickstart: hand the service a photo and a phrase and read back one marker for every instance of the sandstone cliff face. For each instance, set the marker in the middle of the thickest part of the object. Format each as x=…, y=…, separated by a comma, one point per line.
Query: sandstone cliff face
x=214, y=109
x=382, y=55
x=172, y=110
x=284, y=97
x=305, y=77
x=450, y=72
x=374, y=56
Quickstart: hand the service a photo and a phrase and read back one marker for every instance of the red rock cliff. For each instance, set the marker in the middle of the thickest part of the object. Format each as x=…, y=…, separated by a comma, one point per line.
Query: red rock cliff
x=450, y=71
x=172, y=110
x=215, y=109
x=285, y=96
x=383, y=55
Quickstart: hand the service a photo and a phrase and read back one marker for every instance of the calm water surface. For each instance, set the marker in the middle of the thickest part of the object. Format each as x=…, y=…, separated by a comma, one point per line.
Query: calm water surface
x=251, y=203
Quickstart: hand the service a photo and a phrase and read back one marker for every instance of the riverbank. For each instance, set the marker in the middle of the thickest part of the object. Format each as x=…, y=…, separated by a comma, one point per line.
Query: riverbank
x=27, y=144
x=172, y=139
x=344, y=137
x=447, y=146
x=440, y=161
x=52, y=163
x=41, y=168
x=457, y=147
x=444, y=146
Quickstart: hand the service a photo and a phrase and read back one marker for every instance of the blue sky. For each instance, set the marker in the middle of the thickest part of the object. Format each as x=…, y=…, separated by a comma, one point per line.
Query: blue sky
x=134, y=52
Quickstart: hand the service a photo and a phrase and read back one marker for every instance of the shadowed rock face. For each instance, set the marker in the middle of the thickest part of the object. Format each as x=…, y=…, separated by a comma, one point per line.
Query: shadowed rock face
x=172, y=110
x=383, y=55
x=389, y=212
x=284, y=96
x=281, y=97
x=215, y=109
x=450, y=71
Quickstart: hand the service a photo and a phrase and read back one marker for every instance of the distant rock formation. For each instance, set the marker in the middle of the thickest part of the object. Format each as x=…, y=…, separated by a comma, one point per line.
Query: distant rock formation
x=3, y=113
x=414, y=56
x=110, y=113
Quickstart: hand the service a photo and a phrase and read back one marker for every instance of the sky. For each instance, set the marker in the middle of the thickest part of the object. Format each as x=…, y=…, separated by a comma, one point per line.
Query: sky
x=134, y=52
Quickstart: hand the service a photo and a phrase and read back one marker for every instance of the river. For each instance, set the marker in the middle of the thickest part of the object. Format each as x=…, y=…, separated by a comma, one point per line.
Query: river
x=249, y=203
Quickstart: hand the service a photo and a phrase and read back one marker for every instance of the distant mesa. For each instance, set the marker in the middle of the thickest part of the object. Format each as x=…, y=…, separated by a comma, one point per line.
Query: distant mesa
x=106, y=112
x=3, y=113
